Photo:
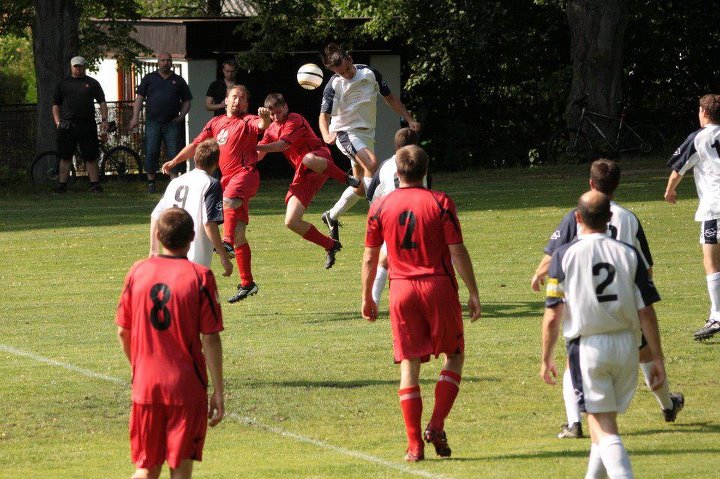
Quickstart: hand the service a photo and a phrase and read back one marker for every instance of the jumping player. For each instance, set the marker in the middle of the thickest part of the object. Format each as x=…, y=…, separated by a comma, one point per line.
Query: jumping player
x=424, y=243
x=348, y=115
x=292, y=135
x=237, y=135
x=198, y=193
x=169, y=322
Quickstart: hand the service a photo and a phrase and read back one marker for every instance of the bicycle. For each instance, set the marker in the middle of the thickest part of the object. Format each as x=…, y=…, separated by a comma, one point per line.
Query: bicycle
x=573, y=145
x=119, y=161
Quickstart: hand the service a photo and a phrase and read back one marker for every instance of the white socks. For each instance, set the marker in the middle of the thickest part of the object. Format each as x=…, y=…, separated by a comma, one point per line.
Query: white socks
x=366, y=181
x=571, y=406
x=379, y=284
x=713, y=284
x=596, y=468
x=347, y=200
x=615, y=458
x=663, y=394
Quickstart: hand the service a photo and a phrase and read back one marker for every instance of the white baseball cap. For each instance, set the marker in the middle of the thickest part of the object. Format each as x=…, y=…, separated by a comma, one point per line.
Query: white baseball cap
x=77, y=61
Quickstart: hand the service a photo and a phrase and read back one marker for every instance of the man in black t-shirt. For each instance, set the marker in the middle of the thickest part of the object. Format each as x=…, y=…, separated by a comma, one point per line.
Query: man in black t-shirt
x=217, y=91
x=73, y=110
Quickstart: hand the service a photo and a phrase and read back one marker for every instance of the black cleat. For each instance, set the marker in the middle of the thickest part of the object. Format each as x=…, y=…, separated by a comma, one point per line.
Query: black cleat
x=439, y=440
x=228, y=249
x=96, y=189
x=243, y=292
x=151, y=187
x=330, y=261
x=333, y=226
x=571, y=431
x=711, y=328
x=678, y=401
x=352, y=181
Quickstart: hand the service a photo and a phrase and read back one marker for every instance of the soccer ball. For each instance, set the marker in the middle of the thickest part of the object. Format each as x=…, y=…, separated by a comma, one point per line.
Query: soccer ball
x=310, y=76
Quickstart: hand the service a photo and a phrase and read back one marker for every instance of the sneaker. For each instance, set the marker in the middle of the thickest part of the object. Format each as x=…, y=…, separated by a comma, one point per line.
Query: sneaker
x=333, y=226
x=151, y=187
x=243, y=292
x=228, y=249
x=352, y=181
x=96, y=188
x=711, y=328
x=330, y=261
x=415, y=456
x=439, y=440
x=678, y=401
x=573, y=431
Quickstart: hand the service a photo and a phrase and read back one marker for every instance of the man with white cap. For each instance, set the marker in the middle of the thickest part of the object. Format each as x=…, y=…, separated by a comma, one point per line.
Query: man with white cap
x=74, y=114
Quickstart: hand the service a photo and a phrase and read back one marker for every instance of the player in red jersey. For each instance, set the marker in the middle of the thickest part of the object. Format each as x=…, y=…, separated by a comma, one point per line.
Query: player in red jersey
x=292, y=135
x=237, y=135
x=424, y=242
x=167, y=317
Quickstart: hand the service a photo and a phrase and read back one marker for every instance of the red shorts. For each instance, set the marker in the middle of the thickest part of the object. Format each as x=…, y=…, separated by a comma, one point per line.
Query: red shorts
x=160, y=433
x=243, y=185
x=426, y=318
x=306, y=183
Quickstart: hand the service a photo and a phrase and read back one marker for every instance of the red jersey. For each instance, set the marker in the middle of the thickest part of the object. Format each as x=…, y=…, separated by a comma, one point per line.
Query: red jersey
x=298, y=133
x=417, y=225
x=166, y=303
x=237, y=137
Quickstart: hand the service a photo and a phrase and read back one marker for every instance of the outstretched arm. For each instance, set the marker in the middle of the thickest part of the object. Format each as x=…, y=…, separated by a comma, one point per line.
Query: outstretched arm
x=397, y=106
x=461, y=260
x=184, y=155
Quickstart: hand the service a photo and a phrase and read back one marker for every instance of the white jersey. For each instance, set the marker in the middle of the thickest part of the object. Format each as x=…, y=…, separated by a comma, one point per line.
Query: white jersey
x=200, y=195
x=385, y=180
x=603, y=283
x=701, y=151
x=352, y=104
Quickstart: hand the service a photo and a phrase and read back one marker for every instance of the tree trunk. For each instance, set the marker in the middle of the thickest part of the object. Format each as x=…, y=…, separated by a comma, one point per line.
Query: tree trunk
x=597, y=29
x=55, y=42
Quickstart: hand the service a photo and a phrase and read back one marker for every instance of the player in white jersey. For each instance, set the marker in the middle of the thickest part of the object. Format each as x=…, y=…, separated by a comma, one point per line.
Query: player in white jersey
x=701, y=152
x=623, y=226
x=606, y=294
x=198, y=193
x=347, y=118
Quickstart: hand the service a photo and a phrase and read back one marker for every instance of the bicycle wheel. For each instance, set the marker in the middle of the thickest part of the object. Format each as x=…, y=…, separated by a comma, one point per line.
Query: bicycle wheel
x=652, y=139
x=122, y=162
x=45, y=169
x=569, y=146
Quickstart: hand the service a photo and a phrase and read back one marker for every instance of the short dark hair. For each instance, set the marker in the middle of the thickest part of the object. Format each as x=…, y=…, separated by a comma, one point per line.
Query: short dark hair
x=412, y=163
x=274, y=100
x=333, y=55
x=594, y=209
x=711, y=104
x=605, y=175
x=405, y=137
x=175, y=228
x=231, y=62
x=207, y=154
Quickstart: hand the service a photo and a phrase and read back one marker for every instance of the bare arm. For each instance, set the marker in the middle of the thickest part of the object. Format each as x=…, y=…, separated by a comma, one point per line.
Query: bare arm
x=552, y=319
x=212, y=348
x=265, y=119
x=324, y=124
x=276, y=146
x=210, y=105
x=124, y=337
x=184, y=109
x=154, y=243
x=461, y=261
x=56, y=114
x=540, y=273
x=369, y=269
x=673, y=182
x=397, y=106
x=139, y=99
x=184, y=155
x=212, y=232
x=649, y=325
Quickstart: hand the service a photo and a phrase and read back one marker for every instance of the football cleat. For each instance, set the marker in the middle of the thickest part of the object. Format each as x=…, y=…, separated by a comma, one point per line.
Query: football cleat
x=228, y=249
x=243, y=292
x=415, y=456
x=439, y=440
x=151, y=187
x=678, y=401
x=573, y=431
x=352, y=181
x=333, y=226
x=96, y=189
x=711, y=328
x=330, y=261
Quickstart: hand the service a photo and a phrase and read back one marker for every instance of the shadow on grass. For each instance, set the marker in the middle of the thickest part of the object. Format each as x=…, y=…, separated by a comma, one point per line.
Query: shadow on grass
x=688, y=428
x=513, y=309
x=354, y=384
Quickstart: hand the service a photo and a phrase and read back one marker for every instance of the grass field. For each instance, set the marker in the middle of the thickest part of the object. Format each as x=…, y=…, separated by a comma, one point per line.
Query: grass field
x=311, y=387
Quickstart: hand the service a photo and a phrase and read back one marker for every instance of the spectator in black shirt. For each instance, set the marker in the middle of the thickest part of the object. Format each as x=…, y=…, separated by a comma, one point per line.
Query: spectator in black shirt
x=74, y=114
x=217, y=91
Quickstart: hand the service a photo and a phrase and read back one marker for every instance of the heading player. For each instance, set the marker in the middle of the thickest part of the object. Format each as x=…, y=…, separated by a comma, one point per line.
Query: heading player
x=169, y=322
x=424, y=242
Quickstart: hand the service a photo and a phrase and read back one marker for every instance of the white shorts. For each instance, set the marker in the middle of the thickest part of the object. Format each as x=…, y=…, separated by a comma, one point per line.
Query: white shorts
x=709, y=232
x=350, y=142
x=604, y=371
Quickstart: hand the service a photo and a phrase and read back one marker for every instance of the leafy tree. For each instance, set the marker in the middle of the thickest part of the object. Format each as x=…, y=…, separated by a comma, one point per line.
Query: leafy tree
x=17, y=75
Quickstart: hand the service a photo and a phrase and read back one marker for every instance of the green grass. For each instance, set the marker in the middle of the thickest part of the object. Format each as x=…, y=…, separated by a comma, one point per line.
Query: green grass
x=299, y=360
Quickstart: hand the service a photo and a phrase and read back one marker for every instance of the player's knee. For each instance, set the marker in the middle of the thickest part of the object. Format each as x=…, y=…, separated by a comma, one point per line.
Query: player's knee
x=232, y=203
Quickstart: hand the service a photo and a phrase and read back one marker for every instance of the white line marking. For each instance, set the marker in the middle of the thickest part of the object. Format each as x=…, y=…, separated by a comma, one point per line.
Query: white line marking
x=241, y=419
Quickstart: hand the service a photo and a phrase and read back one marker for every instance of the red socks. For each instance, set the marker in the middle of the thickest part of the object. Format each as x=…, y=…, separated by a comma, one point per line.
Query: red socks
x=230, y=221
x=411, y=405
x=335, y=173
x=242, y=257
x=446, y=390
x=314, y=236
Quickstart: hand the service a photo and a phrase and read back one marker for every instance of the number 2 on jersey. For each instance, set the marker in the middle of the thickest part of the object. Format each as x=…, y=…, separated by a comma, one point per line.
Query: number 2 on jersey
x=610, y=270
x=407, y=218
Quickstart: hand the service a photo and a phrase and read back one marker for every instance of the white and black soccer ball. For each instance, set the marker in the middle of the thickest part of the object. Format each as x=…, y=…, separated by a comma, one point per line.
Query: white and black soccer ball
x=310, y=76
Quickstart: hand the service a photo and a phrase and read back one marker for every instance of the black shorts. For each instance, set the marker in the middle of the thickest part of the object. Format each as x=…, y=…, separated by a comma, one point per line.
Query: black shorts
x=70, y=134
